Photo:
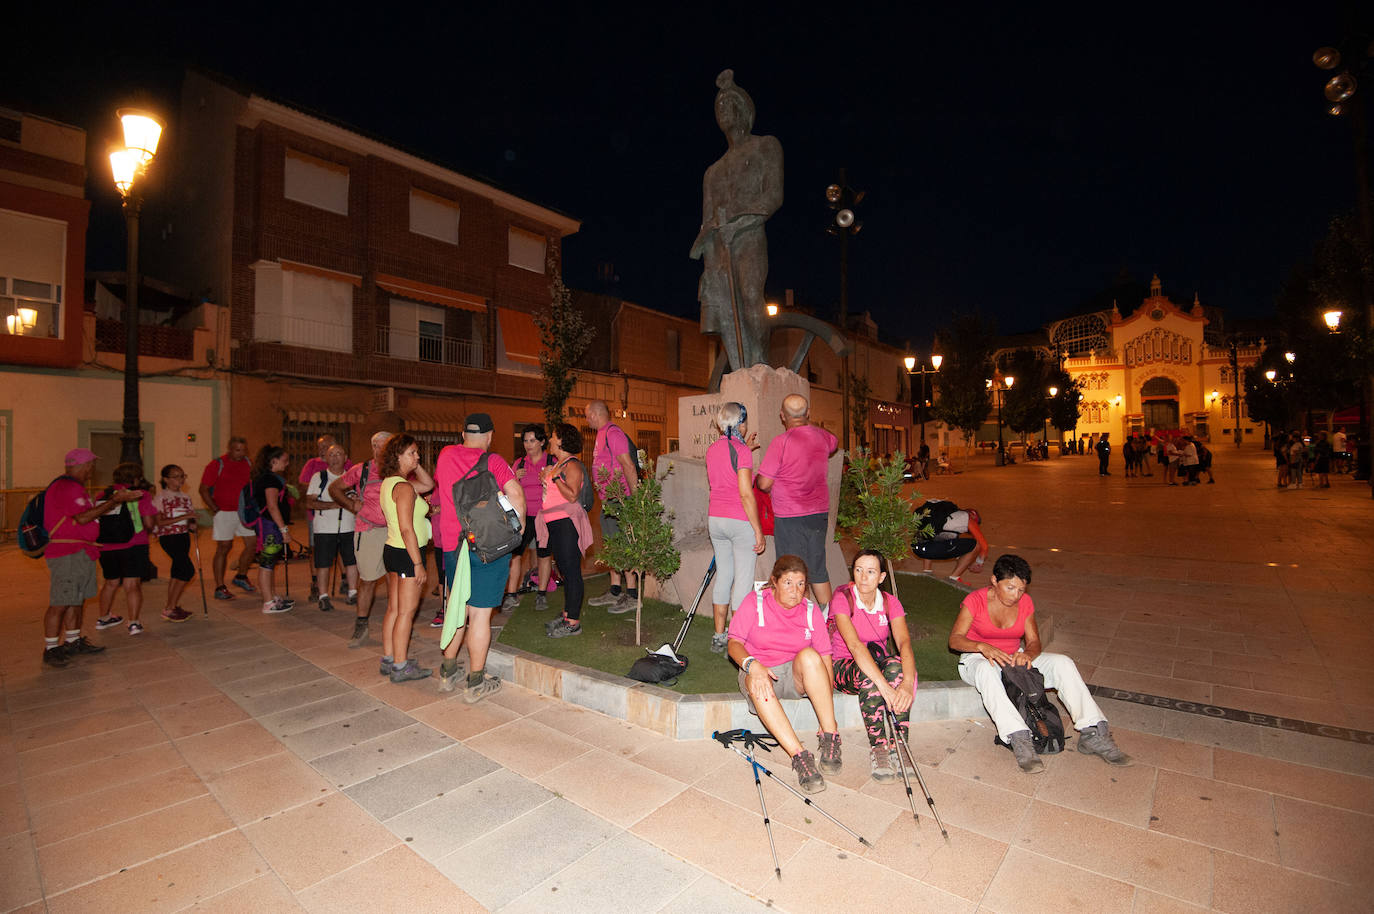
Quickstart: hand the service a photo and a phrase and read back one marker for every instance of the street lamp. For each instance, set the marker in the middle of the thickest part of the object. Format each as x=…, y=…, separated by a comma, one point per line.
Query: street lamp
x=911, y=369
x=772, y=309
x=1270, y=375
x=127, y=166
x=843, y=200
x=1054, y=392
x=1290, y=357
x=1333, y=320
x=1005, y=386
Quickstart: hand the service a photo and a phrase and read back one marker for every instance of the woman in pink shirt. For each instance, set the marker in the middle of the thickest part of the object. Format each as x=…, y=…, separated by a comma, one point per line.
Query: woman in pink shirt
x=861, y=618
x=732, y=517
x=562, y=528
x=781, y=645
x=124, y=547
x=529, y=471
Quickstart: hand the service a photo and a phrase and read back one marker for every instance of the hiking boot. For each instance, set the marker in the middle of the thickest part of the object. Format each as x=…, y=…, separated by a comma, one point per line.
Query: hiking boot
x=880, y=764
x=447, y=681
x=135, y=628
x=56, y=656
x=1024, y=750
x=111, y=621
x=175, y=614
x=277, y=606
x=410, y=671
x=1095, y=740
x=242, y=583
x=489, y=685
x=359, y=633
x=831, y=763
x=510, y=602
x=325, y=604
x=222, y=593
x=718, y=642
x=565, y=628
x=808, y=775
x=606, y=599
x=82, y=646
x=387, y=667
x=625, y=604
x=437, y=621
x=541, y=602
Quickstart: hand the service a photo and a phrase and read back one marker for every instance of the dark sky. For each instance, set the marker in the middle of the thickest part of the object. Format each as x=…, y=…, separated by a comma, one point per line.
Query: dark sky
x=1015, y=160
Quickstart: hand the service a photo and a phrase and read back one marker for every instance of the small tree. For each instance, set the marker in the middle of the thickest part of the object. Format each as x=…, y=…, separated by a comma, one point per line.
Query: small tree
x=859, y=396
x=883, y=519
x=963, y=400
x=644, y=542
x=564, y=336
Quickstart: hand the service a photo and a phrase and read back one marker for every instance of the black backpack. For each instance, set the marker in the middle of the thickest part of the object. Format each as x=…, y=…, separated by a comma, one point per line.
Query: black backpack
x=1026, y=688
x=935, y=513
x=489, y=521
x=116, y=526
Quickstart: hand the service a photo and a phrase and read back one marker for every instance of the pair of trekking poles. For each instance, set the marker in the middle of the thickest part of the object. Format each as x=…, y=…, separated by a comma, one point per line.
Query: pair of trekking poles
x=751, y=741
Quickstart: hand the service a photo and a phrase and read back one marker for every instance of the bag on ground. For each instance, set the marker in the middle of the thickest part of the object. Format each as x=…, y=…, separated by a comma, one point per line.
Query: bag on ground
x=1025, y=687
x=656, y=668
x=490, y=524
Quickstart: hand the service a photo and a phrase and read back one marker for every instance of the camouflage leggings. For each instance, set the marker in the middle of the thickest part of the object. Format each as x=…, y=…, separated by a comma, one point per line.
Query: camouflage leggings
x=852, y=681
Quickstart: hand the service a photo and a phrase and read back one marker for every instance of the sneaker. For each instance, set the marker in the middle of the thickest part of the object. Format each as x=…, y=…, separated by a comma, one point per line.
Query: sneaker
x=175, y=614
x=108, y=622
x=509, y=602
x=287, y=602
x=625, y=604
x=277, y=606
x=489, y=685
x=325, y=604
x=552, y=623
x=606, y=599
x=437, y=621
x=386, y=668
x=56, y=656
x=135, y=628
x=831, y=763
x=352, y=599
x=565, y=628
x=808, y=775
x=410, y=671
x=447, y=681
x=541, y=602
x=718, y=642
x=242, y=583
x=880, y=764
x=1024, y=750
x=1097, y=741
x=359, y=634
x=82, y=646
x=223, y=593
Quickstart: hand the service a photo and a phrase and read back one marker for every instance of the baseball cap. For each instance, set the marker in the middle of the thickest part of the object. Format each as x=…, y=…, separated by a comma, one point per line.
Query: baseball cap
x=79, y=455
x=477, y=423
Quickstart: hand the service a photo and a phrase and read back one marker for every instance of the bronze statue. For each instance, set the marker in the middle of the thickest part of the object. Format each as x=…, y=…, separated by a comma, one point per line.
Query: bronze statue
x=740, y=191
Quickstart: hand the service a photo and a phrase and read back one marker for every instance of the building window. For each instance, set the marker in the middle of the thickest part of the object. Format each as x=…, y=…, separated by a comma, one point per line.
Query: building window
x=33, y=263
x=417, y=332
x=431, y=443
x=526, y=250
x=298, y=437
x=674, y=345
x=316, y=183
x=302, y=309
x=433, y=216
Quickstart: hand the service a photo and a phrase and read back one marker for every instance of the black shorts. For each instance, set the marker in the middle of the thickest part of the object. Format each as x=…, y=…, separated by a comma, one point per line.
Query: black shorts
x=539, y=551
x=328, y=545
x=130, y=562
x=397, y=561
x=804, y=536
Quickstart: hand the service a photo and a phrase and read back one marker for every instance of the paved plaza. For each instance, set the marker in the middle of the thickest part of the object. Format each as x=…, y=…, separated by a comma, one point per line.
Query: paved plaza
x=242, y=762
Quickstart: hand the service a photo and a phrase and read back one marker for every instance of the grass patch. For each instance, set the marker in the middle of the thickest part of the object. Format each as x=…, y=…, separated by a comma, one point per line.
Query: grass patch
x=607, y=642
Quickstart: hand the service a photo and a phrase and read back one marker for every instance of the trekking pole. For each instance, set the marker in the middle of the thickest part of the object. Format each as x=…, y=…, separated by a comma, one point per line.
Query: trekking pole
x=200, y=571
x=767, y=822
x=750, y=740
x=891, y=717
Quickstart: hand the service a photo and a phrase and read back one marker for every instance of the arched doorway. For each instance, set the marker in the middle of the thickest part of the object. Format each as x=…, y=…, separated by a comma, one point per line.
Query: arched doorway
x=1159, y=403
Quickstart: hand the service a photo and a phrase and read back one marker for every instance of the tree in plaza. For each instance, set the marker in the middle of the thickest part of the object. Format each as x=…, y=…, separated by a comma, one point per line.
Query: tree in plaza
x=564, y=336
x=1267, y=401
x=1025, y=407
x=963, y=399
x=859, y=395
x=644, y=542
x=1064, y=405
x=879, y=516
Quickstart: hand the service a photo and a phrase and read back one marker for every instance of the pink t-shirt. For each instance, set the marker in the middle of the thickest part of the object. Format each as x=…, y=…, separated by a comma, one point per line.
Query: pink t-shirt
x=530, y=482
x=67, y=498
x=982, y=629
x=796, y=462
x=370, y=514
x=453, y=464
x=168, y=502
x=868, y=625
x=784, y=632
x=724, y=479
x=611, y=442
x=146, y=509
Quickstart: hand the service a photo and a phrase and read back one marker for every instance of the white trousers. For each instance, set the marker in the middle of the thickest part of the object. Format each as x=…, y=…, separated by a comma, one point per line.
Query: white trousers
x=1060, y=673
x=732, y=540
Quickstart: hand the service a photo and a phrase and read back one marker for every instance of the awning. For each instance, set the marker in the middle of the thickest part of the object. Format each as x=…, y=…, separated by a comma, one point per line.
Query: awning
x=520, y=336
x=321, y=272
x=432, y=422
x=322, y=414
x=436, y=295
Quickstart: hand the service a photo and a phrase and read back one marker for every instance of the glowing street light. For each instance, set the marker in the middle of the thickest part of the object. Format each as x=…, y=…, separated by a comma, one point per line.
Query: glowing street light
x=1270, y=375
x=911, y=369
x=1333, y=320
x=1290, y=357
x=772, y=309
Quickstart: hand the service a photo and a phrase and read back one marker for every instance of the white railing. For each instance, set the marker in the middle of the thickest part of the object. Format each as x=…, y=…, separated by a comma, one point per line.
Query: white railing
x=417, y=347
x=301, y=331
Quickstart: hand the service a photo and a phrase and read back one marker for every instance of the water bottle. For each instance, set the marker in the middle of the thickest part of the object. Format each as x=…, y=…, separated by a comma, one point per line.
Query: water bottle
x=512, y=517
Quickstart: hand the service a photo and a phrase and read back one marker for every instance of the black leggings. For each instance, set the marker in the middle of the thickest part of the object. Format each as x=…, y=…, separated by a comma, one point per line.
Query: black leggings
x=563, y=545
x=178, y=549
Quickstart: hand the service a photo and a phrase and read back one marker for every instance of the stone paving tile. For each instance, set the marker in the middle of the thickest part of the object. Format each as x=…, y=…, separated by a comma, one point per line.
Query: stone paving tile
x=61, y=734
x=262, y=684
x=227, y=747
x=376, y=756
x=200, y=715
x=1153, y=685
x=1074, y=889
x=963, y=866
x=622, y=874
x=1222, y=816
x=14, y=816
x=317, y=714
x=1208, y=731
x=1147, y=902
x=708, y=895
x=265, y=787
x=1323, y=841
x=1088, y=784
x=461, y=720
x=612, y=787
x=388, y=795
x=822, y=878
x=19, y=863
x=1243, y=885
x=266, y=894
x=98, y=809
x=1279, y=705
x=294, y=696
x=1346, y=791
x=412, y=885
x=1316, y=751
x=527, y=747
x=102, y=771
x=481, y=805
x=73, y=709
x=315, y=841
x=343, y=732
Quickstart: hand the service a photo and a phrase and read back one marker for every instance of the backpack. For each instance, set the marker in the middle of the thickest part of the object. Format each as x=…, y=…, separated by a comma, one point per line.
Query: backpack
x=1025, y=687
x=587, y=493
x=935, y=513
x=249, y=509
x=488, y=519
x=117, y=526
x=32, y=534
x=634, y=451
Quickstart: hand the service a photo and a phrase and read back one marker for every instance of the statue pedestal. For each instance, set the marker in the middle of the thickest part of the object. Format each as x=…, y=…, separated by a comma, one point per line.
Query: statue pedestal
x=761, y=389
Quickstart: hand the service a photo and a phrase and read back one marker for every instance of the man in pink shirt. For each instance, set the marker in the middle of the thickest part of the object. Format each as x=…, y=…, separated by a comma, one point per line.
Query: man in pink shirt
x=613, y=471
x=794, y=471
x=70, y=517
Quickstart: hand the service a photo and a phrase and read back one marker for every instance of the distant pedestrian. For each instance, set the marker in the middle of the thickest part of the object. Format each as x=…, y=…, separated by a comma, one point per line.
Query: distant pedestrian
x=1297, y=458
x=1204, y=461
x=176, y=518
x=1340, y=450
x=124, y=538
x=1280, y=448
x=220, y=485
x=1321, y=465
x=1173, y=455
x=1104, y=454
x=1189, y=461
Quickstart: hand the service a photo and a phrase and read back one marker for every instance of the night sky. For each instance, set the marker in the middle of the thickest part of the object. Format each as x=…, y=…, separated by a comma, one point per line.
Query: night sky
x=1015, y=161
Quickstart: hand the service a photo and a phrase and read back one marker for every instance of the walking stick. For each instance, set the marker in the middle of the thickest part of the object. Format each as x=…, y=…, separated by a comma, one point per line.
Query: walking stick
x=890, y=717
x=200, y=571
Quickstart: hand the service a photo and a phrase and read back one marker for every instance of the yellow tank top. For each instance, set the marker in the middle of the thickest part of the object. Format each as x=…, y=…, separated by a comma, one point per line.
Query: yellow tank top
x=393, y=527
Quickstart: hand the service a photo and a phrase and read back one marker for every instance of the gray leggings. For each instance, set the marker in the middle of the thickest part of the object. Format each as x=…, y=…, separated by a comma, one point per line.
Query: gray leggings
x=733, y=542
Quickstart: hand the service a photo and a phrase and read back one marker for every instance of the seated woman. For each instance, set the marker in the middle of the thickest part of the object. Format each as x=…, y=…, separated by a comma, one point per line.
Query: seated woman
x=780, y=643
x=861, y=617
x=988, y=632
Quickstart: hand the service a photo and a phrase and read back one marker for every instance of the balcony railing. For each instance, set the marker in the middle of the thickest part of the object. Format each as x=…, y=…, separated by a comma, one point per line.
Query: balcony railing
x=163, y=342
x=420, y=347
x=301, y=331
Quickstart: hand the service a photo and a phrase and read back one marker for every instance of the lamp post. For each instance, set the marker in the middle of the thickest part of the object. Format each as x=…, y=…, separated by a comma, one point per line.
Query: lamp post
x=1001, y=389
x=843, y=200
x=911, y=369
x=1054, y=392
x=128, y=164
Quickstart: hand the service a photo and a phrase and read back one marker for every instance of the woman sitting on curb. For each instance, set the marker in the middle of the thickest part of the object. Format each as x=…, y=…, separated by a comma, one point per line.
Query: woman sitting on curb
x=988, y=632
x=780, y=643
x=861, y=617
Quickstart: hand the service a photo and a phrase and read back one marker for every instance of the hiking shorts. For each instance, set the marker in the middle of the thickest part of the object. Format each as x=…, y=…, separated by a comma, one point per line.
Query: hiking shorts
x=785, y=686
x=488, y=580
x=328, y=545
x=73, y=579
x=130, y=562
x=227, y=526
x=367, y=548
x=804, y=536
